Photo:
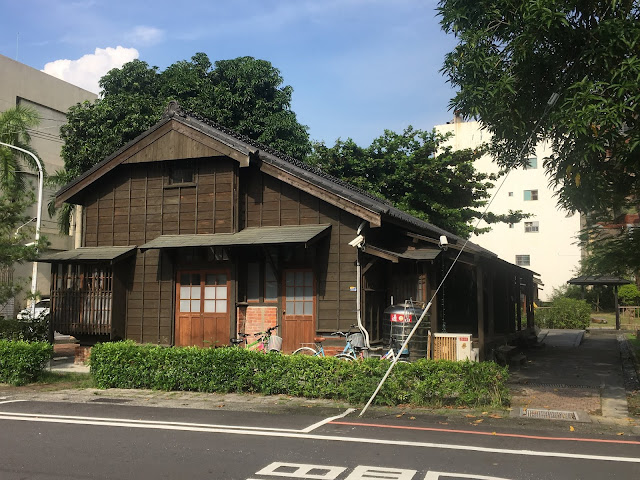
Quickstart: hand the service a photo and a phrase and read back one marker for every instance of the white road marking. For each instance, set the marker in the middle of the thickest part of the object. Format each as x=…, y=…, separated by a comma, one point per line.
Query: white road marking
x=264, y=432
x=184, y=424
x=10, y=401
x=438, y=475
x=310, y=428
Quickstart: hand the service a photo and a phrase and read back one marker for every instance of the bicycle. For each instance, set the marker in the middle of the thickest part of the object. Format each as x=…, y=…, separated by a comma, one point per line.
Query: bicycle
x=353, y=349
x=266, y=341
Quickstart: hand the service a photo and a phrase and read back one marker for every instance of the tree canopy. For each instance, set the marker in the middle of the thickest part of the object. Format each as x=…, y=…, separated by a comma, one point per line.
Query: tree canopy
x=513, y=56
x=15, y=124
x=244, y=94
x=417, y=174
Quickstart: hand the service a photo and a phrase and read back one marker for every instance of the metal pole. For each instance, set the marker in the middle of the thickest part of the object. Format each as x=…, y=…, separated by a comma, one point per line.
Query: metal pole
x=34, y=273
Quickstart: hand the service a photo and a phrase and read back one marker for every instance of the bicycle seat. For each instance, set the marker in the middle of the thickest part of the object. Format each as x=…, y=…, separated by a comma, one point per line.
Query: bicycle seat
x=319, y=339
x=237, y=341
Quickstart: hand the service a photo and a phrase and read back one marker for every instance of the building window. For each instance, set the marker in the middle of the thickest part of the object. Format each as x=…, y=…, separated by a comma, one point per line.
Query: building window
x=270, y=284
x=253, y=282
x=181, y=172
x=511, y=194
x=259, y=287
x=531, y=227
x=530, y=195
x=523, y=260
x=531, y=163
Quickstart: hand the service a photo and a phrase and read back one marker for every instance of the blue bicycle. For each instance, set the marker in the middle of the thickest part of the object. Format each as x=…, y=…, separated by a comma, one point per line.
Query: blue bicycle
x=354, y=347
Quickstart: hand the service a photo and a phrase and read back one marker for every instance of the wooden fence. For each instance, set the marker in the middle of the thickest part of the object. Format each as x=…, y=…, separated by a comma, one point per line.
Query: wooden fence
x=81, y=299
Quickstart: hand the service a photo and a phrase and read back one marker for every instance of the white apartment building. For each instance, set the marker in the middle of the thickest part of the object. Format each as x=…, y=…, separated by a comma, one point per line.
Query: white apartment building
x=545, y=243
x=51, y=98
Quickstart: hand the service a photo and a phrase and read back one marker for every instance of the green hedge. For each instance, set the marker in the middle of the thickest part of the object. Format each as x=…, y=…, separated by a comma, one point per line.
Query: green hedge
x=425, y=382
x=23, y=362
x=28, y=330
x=564, y=313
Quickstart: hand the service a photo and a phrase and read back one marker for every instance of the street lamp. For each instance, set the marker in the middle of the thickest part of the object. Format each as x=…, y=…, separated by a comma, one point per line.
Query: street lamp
x=34, y=274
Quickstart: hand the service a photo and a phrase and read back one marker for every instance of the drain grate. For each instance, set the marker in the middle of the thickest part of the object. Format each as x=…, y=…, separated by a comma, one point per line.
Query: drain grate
x=555, y=385
x=548, y=414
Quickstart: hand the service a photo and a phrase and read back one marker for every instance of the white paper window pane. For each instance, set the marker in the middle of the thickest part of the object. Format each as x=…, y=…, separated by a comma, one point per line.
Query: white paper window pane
x=299, y=278
x=195, y=305
x=209, y=293
x=298, y=309
x=221, y=293
x=290, y=279
x=185, y=291
x=299, y=293
x=221, y=306
x=209, y=306
x=195, y=292
x=290, y=292
x=308, y=308
x=289, y=308
x=308, y=293
x=184, y=305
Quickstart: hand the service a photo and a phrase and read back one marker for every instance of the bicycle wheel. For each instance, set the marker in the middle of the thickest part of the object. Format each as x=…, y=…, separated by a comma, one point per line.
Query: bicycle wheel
x=305, y=351
x=346, y=356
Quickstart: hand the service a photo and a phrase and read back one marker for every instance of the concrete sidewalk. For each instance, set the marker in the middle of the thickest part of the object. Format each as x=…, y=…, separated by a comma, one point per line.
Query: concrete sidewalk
x=574, y=371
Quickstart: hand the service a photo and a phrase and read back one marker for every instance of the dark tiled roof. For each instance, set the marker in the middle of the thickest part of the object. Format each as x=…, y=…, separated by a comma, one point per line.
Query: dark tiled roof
x=292, y=166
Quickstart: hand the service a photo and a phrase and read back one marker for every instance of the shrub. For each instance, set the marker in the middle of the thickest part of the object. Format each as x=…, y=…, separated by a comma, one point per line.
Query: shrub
x=425, y=382
x=629, y=294
x=564, y=313
x=23, y=362
x=28, y=330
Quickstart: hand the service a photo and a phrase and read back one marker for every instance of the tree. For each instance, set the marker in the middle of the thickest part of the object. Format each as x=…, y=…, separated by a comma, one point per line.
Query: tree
x=514, y=56
x=417, y=174
x=14, y=130
x=243, y=94
x=15, y=123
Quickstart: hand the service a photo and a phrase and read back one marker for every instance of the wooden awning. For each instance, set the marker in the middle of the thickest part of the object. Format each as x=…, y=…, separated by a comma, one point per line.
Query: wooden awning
x=89, y=255
x=598, y=280
x=290, y=234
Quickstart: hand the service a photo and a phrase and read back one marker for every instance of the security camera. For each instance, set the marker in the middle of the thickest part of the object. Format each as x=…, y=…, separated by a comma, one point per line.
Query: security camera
x=357, y=242
x=443, y=243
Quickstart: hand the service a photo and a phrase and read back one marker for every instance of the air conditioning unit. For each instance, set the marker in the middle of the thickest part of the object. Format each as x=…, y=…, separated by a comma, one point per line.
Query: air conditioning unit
x=453, y=346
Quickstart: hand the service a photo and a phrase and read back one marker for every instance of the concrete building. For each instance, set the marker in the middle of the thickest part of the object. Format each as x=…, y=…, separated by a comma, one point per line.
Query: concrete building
x=547, y=241
x=51, y=98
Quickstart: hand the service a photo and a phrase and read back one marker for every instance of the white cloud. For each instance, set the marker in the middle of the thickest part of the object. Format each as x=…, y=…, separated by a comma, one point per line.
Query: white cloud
x=88, y=69
x=145, y=36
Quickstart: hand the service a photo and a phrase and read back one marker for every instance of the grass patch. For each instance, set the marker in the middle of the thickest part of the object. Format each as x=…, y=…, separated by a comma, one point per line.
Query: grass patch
x=70, y=379
x=633, y=399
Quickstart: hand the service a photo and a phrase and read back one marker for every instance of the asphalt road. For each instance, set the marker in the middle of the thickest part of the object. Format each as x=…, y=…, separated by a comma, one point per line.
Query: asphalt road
x=55, y=441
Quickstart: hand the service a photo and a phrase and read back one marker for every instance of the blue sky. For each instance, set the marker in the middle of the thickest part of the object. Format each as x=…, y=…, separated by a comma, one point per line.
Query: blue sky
x=357, y=67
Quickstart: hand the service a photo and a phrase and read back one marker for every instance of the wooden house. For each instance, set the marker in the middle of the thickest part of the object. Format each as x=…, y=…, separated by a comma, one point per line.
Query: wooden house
x=192, y=233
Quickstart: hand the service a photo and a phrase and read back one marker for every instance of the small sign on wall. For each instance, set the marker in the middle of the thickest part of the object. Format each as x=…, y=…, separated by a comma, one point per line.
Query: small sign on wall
x=353, y=289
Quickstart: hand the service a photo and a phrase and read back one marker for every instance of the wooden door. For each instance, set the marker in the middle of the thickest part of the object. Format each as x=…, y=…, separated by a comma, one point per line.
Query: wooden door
x=298, y=317
x=202, y=308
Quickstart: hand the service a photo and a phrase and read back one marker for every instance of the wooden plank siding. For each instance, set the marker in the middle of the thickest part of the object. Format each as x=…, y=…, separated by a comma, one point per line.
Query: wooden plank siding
x=267, y=201
x=139, y=205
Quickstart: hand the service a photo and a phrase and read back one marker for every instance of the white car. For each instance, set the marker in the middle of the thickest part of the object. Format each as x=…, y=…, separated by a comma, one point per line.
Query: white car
x=42, y=310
